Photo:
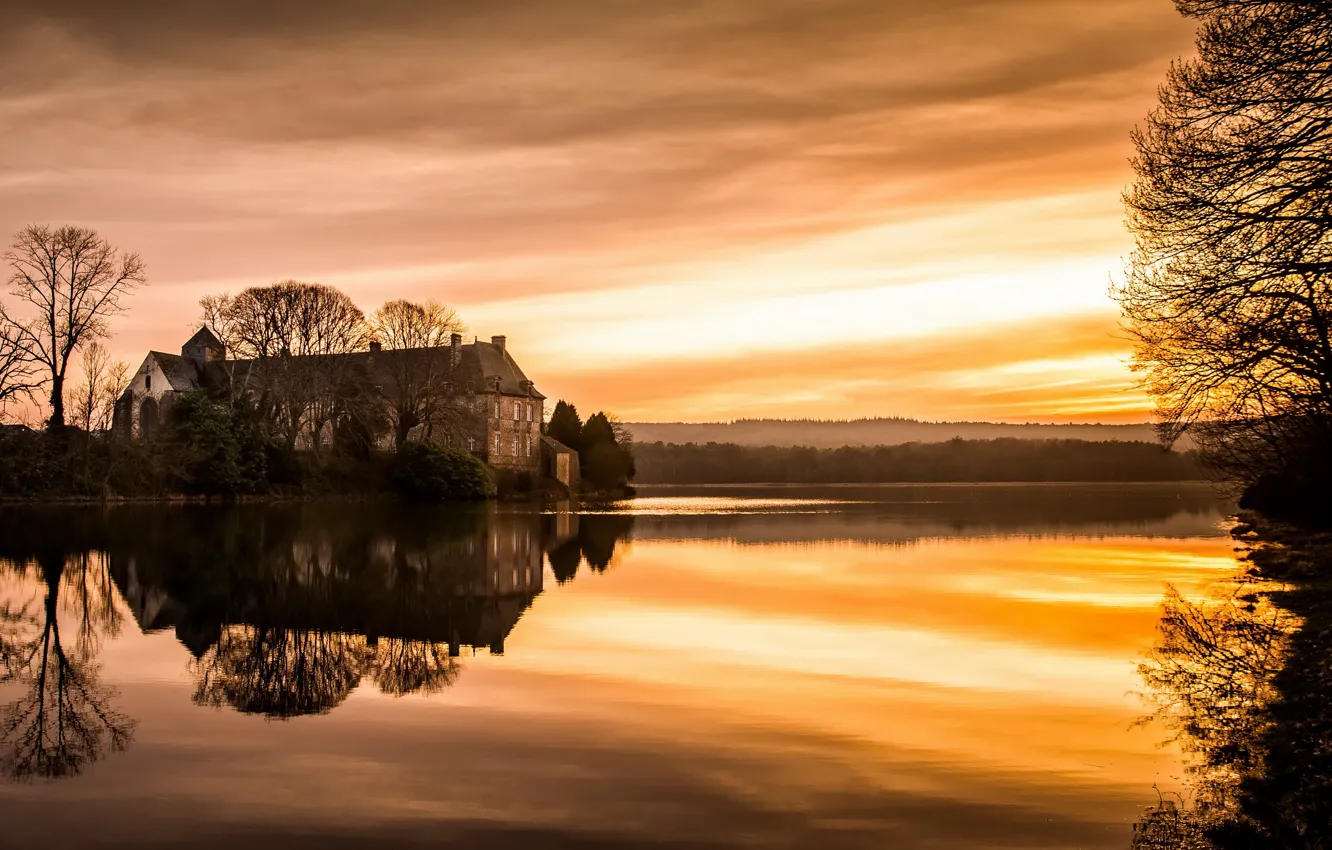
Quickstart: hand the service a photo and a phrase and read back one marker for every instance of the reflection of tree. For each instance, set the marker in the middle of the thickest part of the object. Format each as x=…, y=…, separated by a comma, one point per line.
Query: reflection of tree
x=594, y=544
x=401, y=667
x=279, y=673
x=1212, y=677
x=64, y=719
x=564, y=560
x=1244, y=682
x=284, y=673
x=598, y=534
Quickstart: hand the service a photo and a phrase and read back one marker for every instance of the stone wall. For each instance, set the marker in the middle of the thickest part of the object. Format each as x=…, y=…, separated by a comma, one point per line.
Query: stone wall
x=513, y=443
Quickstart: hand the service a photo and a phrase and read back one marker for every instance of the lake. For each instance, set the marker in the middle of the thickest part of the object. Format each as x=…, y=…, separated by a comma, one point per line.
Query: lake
x=857, y=667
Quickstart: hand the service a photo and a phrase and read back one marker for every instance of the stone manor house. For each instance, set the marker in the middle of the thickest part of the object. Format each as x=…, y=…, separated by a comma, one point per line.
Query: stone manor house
x=507, y=433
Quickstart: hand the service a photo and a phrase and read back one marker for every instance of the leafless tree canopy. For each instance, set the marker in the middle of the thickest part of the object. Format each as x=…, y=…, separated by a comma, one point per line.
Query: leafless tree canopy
x=417, y=386
x=93, y=399
x=1227, y=292
x=19, y=375
x=285, y=328
x=68, y=281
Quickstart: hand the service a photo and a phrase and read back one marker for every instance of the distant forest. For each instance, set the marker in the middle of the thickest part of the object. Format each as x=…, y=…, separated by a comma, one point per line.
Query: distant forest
x=1005, y=459
x=871, y=432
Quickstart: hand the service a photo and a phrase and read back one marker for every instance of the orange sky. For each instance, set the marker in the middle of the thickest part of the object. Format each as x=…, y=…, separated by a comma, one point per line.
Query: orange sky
x=675, y=211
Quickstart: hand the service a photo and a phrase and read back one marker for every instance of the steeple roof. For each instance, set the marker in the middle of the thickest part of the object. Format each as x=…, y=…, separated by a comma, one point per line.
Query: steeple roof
x=206, y=337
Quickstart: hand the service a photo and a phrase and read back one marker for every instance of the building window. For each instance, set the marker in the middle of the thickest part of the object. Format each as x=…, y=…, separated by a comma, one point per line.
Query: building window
x=147, y=382
x=529, y=411
x=497, y=451
x=497, y=416
x=517, y=412
x=471, y=444
x=515, y=447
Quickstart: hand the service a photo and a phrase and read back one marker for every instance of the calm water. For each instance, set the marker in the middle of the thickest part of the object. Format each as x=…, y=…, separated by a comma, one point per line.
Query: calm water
x=706, y=667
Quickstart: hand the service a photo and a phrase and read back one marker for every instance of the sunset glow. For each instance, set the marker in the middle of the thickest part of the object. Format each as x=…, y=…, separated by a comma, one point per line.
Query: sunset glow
x=693, y=211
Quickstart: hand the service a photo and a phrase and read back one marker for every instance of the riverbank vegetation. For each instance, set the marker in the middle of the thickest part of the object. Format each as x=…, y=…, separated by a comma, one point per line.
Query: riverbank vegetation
x=953, y=461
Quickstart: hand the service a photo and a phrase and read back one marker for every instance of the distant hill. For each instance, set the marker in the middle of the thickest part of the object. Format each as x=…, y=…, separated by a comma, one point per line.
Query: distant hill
x=872, y=432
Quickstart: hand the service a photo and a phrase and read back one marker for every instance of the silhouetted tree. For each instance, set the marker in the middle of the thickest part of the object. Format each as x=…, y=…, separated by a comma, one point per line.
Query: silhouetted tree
x=565, y=425
x=18, y=373
x=602, y=460
x=93, y=399
x=285, y=328
x=1228, y=291
x=72, y=281
x=419, y=385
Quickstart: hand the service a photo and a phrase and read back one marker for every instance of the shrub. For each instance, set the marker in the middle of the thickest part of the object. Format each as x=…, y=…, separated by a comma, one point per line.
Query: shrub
x=215, y=449
x=429, y=472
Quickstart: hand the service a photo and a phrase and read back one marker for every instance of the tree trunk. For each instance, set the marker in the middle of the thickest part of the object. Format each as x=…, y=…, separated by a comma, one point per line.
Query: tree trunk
x=400, y=431
x=57, y=420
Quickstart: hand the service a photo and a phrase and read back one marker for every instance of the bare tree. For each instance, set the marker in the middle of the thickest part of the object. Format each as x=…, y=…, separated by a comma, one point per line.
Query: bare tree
x=72, y=280
x=18, y=373
x=288, y=329
x=93, y=401
x=417, y=371
x=1227, y=292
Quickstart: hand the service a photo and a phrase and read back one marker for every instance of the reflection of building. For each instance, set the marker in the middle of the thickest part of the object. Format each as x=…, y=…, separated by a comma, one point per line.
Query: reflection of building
x=509, y=408
x=465, y=589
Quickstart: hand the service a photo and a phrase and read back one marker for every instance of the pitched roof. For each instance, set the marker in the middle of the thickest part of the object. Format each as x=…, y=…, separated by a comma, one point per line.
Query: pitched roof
x=482, y=365
x=483, y=362
x=181, y=373
x=206, y=337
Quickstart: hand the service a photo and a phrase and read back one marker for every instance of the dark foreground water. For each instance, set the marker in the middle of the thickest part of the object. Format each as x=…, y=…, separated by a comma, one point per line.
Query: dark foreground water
x=708, y=667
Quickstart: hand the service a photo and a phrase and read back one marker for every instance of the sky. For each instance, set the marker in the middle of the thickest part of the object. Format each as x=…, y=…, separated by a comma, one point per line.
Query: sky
x=675, y=211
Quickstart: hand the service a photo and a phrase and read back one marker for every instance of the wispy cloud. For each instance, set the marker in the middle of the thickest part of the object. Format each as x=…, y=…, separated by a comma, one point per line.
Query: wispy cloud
x=574, y=157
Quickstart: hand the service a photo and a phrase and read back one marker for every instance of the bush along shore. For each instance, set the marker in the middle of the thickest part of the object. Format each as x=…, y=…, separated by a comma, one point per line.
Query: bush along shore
x=217, y=449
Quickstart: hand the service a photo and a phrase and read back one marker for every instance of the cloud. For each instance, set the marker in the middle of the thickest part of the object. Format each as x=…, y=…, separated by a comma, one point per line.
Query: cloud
x=957, y=376
x=482, y=153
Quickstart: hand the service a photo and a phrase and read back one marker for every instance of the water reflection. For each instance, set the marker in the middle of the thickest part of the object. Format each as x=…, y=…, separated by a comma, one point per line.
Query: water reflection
x=1244, y=679
x=285, y=611
x=63, y=717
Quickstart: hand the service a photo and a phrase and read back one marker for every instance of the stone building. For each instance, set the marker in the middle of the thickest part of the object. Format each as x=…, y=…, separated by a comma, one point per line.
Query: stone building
x=508, y=409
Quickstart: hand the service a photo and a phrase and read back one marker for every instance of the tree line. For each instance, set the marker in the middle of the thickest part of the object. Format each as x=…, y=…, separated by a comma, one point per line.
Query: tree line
x=952, y=461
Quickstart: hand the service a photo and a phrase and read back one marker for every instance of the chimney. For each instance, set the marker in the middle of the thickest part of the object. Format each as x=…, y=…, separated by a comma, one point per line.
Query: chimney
x=376, y=347
x=498, y=342
x=455, y=349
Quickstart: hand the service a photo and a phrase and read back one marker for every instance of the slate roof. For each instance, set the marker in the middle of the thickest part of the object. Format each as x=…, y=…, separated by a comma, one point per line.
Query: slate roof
x=181, y=373
x=483, y=362
x=207, y=337
x=480, y=365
